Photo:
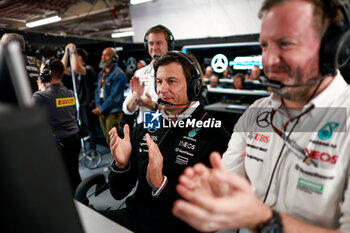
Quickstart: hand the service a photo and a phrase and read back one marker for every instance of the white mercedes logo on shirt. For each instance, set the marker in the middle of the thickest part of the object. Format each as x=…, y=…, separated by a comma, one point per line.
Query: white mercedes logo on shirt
x=219, y=63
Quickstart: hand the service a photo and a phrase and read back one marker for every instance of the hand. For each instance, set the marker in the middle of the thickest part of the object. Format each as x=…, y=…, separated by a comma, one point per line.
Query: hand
x=146, y=101
x=221, y=201
x=136, y=87
x=120, y=148
x=70, y=46
x=200, y=178
x=96, y=111
x=154, y=173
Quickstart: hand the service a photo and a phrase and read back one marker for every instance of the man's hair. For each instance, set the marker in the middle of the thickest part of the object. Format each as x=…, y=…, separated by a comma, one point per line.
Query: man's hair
x=15, y=37
x=325, y=12
x=158, y=29
x=171, y=57
x=57, y=69
x=240, y=76
x=83, y=54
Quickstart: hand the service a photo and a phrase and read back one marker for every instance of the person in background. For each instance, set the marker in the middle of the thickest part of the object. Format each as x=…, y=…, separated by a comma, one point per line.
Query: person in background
x=60, y=104
x=31, y=68
x=287, y=165
x=84, y=79
x=140, y=64
x=156, y=157
x=142, y=97
x=227, y=73
x=254, y=74
x=109, y=93
x=207, y=74
x=213, y=81
x=238, y=81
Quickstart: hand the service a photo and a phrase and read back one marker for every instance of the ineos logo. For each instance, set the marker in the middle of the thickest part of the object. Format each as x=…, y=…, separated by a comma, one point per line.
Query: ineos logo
x=263, y=119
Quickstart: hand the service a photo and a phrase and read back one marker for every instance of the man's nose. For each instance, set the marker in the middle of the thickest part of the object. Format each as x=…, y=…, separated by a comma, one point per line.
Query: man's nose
x=155, y=46
x=271, y=56
x=162, y=88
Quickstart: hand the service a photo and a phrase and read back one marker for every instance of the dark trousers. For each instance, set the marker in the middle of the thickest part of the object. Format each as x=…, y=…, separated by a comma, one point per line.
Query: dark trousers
x=70, y=149
x=88, y=121
x=110, y=121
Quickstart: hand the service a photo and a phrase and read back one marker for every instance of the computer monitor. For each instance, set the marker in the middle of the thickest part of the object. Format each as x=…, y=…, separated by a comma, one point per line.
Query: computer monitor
x=35, y=192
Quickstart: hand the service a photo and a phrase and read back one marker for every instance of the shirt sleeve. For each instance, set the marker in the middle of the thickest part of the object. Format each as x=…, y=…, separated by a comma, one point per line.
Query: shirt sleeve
x=157, y=191
x=233, y=158
x=122, y=181
x=125, y=109
x=345, y=208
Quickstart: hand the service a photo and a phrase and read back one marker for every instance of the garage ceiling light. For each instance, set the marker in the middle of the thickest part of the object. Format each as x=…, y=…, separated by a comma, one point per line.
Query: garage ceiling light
x=122, y=34
x=135, y=2
x=43, y=21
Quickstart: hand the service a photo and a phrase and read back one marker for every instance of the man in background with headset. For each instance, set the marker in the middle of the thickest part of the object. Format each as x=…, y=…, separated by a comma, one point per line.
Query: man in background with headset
x=109, y=93
x=60, y=103
x=289, y=153
x=156, y=156
x=158, y=40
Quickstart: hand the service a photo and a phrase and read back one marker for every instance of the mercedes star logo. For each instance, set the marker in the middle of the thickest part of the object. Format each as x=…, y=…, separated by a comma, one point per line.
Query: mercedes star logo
x=263, y=119
x=219, y=63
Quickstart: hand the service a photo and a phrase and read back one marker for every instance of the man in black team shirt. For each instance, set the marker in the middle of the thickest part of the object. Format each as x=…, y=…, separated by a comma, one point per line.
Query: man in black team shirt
x=157, y=151
x=31, y=68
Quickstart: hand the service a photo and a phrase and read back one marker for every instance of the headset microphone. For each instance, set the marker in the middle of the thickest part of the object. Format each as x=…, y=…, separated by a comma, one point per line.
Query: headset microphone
x=279, y=85
x=168, y=104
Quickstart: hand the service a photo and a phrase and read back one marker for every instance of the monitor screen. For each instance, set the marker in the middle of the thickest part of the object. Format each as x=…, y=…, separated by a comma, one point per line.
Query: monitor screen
x=35, y=191
x=246, y=62
x=239, y=56
x=14, y=84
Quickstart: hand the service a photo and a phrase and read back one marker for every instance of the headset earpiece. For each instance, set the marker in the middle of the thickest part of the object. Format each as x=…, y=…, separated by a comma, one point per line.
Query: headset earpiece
x=115, y=58
x=171, y=42
x=194, y=88
x=45, y=75
x=335, y=44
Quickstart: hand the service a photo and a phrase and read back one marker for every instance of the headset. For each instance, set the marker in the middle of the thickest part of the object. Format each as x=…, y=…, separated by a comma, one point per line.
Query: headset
x=45, y=75
x=171, y=42
x=115, y=58
x=335, y=44
x=193, y=84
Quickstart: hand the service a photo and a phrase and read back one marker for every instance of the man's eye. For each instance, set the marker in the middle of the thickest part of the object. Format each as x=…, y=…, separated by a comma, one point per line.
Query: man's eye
x=284, y=44
x=263, y=45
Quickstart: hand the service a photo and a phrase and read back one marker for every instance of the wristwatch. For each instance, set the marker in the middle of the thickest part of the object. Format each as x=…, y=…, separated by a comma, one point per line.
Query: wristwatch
x=274, y=225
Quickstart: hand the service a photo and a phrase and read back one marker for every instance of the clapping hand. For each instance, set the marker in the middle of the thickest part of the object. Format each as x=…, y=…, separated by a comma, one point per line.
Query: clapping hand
x=154, y=173
x=216, y=199
x=120, y=148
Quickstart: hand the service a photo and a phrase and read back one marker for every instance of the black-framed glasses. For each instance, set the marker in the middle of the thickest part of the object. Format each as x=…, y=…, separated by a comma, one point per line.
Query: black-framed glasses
x=292, y=145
